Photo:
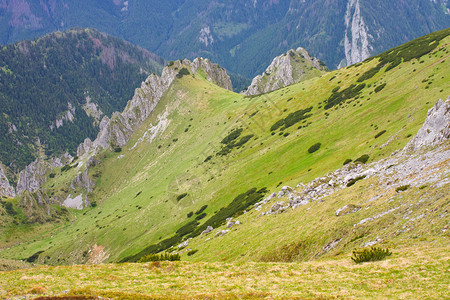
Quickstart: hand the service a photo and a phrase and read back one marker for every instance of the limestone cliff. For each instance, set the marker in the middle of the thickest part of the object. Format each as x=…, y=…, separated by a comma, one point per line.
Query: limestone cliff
x=357, y=38
x=286, y=69
x=5, y=188
x=435, y=129
x=31, y=178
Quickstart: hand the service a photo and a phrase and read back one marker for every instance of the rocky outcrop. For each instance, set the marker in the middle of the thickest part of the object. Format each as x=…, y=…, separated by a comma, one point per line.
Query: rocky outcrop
x=117, y=130
x=214, y=72
x=435, y=129
x=31, y=178
x=289, y=68
x=356, y=41
x=5, y=188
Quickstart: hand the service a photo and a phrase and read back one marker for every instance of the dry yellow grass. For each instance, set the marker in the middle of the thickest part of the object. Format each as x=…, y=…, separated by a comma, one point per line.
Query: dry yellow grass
x=419, y=272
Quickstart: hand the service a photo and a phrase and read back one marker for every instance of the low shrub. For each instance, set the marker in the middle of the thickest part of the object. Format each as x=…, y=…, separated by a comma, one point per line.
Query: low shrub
x=160, y=257
x=192, y=252
x=201, y=209
x=372, y=254
x=402, y=188
x=190, y=214
x=186, y=229
x=117, y=149
x=380, y=133
x=9, y=208
x=338, y=97
x=182, y=72
x=363, y=158
x=354, y=180
x=314, y=148
x=181, y=196
x=287, y=253
x=380, y=87
x=292, y=119
x=347, y=161
x=200, y=216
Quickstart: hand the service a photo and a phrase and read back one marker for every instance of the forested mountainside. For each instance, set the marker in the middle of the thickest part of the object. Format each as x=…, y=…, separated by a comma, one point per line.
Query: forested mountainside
x=242, y=36
x=55, y=90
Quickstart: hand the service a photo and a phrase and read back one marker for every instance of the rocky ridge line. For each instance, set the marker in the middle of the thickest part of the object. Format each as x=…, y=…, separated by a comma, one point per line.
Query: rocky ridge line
x=286, y=69
x=117, y=130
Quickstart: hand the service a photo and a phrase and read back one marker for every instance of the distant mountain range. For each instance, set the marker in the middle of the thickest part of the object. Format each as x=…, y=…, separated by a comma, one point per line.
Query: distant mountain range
x=242, y=36
x=55, y=90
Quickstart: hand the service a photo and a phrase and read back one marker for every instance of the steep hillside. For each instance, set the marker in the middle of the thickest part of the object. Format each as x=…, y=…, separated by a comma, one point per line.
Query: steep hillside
x=243, y=36
x=291, y=67
x=206, y=154
x=54, y=91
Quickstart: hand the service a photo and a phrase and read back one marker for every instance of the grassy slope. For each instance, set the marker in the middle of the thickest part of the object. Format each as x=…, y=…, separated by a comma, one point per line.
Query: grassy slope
x=412, y=273
x=159, y=174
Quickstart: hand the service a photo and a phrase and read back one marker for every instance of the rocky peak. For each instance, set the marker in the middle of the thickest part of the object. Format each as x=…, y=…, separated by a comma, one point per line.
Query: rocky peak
x=117, y=130
x=5, y=188
x=435, y=129
x=286, y=69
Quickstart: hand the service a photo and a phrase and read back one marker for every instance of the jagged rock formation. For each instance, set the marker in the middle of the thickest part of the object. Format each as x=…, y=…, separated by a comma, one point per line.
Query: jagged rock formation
x=286, y=69
x=356, y=42
x=118, y=130
x=32, y=177
x=435, y=129
x=5, y=188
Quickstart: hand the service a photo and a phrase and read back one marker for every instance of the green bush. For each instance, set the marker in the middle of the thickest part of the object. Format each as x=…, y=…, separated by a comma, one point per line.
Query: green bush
x=186, y=229
x=192, y=252
x=292, y=119
x=380, y=133
x=347, y=161
x=181, y=196
x=160, y=257
x=348, y=93
x=201, y=209
x=314, y=148
x=117, y=149
x=9, y=208
x=234, y=134
x=363, y=158
x=190, y=214
x=183, y=72
x=402, y=188
x=354, y=180
x=380, y=87
x=200, y=216
x=372, y=254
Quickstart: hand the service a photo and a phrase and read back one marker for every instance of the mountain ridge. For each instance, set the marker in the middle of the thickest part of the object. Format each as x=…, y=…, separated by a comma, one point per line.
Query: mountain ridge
x=241, y=36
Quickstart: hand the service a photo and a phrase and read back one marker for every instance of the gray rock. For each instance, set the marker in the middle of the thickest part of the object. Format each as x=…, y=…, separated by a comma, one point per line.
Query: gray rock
x=436, y=128
x=222, y=232
x=207, y=230
x=5, y=188
x=347, y=209
x=76, y=203
x=230, y=224
x=183, y=244
x=284, y=70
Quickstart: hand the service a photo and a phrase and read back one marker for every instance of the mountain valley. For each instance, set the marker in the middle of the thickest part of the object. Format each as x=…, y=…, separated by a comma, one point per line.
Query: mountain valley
x=261, y=194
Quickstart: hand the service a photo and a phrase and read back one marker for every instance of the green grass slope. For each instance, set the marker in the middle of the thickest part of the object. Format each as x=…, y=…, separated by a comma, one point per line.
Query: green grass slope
x=219, y=145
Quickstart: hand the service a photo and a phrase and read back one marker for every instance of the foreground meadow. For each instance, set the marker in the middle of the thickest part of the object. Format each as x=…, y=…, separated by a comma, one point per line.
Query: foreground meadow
x=417, y=272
